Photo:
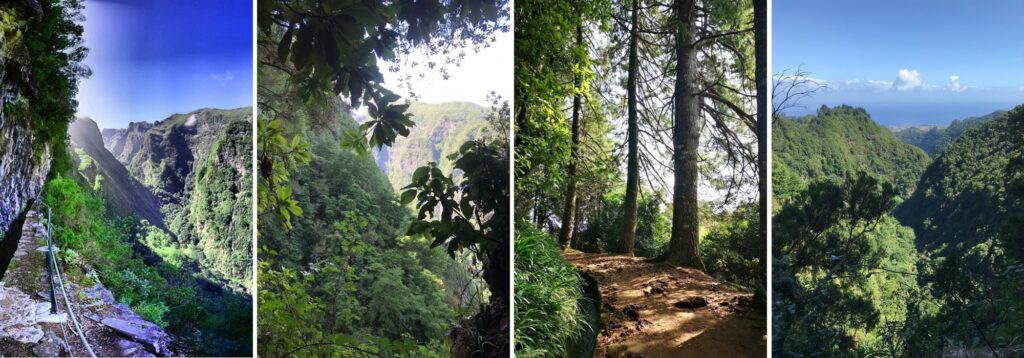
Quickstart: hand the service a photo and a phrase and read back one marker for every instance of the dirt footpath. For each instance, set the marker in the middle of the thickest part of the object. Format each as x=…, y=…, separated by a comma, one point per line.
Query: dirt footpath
x=657, y=310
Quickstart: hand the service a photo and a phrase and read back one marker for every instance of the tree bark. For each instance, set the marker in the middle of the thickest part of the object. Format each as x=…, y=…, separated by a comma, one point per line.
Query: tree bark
x=761, y=79
x=565, y=233
x=627, y=232
x=684, y=245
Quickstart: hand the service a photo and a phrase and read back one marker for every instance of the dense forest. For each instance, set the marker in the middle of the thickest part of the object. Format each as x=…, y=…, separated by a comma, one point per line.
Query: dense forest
x=405, y=255
x=112, y=231
x=867, y=263
x=933, y=138
x=637, y=127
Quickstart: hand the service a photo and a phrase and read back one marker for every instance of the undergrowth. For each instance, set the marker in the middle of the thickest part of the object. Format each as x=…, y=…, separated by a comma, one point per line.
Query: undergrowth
x=547, y=314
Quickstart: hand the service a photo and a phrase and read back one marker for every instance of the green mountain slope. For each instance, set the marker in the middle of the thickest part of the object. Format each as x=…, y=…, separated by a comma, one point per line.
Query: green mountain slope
x=97, y=167
x=933, y=138
x=839, y=142
x=440, y=130
x=962, y=195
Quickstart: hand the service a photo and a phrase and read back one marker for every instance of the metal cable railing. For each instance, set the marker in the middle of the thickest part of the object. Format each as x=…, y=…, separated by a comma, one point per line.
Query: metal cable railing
x=55, y=271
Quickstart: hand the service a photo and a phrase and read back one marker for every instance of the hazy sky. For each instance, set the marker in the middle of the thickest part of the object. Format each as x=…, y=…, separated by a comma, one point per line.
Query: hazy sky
x=477, y=75
x=151, y=59
x=906, y=62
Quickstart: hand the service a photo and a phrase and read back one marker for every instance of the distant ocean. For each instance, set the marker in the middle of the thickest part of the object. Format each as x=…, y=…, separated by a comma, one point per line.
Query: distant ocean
x=901, y=114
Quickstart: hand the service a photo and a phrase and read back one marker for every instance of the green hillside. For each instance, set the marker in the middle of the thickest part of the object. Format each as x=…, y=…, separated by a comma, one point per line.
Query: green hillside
x=963, y=193
x=440, y=130
x=841, y=141
x=933, y=138
x=97, y=168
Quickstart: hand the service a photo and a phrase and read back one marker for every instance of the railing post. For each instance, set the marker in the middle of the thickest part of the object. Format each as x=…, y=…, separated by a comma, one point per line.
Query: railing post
x=50, y=259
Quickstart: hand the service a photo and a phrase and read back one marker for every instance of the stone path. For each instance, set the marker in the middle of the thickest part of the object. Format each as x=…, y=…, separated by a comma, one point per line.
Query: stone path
x=28, y=329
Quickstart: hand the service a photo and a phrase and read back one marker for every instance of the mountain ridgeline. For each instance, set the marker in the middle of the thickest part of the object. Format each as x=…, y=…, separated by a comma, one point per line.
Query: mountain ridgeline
x=932, y=139
x=440, y=130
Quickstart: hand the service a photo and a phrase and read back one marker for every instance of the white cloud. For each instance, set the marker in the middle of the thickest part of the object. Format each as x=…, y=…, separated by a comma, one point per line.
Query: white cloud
x=191, y=121
x=907, y=80
x=226, y=76
x=954, y=84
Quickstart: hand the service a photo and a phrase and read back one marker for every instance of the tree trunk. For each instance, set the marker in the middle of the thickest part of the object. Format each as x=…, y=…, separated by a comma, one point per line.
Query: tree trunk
x=627, y=232
x=569, y=218
x=761, y=79
x=684, y=245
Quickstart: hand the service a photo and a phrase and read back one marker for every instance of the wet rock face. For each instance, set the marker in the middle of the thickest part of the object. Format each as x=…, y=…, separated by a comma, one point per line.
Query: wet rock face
x=24, y=173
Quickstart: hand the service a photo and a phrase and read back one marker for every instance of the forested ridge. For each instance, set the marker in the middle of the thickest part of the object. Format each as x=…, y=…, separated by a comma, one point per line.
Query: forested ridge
x=637, y=134
x=351, y=265
x=932, y=139
x=868, y=268
x=840, y=141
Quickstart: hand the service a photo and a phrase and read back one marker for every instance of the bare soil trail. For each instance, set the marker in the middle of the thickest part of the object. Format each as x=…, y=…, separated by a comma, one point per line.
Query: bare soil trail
x=657, y=310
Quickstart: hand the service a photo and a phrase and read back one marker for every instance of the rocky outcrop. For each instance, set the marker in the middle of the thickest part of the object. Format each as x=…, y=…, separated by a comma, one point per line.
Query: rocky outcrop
x=105, y=310
x=125, y=143
x=21, y=316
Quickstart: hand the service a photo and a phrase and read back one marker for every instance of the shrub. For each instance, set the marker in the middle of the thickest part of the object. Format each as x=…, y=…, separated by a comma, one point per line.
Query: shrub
x=729, y=247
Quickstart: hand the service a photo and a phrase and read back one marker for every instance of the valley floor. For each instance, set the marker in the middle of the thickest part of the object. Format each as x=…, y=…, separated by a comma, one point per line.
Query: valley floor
x=646, y=311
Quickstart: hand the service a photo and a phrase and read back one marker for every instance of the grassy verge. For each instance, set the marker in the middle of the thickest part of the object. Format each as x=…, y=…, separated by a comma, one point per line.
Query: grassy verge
x=547, y=314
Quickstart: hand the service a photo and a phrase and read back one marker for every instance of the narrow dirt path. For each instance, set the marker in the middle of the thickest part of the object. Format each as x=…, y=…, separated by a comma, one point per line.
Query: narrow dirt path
x=657, y=310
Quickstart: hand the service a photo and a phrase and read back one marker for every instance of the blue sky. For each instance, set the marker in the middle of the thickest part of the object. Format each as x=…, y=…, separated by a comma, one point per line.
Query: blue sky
x=906, y=62
x=151, y=59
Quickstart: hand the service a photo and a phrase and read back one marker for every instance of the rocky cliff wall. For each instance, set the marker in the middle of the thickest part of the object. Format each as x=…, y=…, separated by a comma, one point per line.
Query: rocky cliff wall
x=22, y=170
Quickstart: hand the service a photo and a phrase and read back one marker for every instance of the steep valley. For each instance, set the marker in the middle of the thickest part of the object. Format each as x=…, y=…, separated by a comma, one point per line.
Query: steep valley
x=189, y=179
x=197, y=165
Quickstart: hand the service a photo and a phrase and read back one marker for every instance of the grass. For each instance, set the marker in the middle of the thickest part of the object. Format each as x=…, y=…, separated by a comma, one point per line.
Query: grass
x=547, y=314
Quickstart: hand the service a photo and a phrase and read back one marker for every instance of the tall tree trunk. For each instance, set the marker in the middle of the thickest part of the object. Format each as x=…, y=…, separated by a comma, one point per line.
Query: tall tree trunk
x=569, y=217
x=627, y=232
x=684, y=245
x=761, y=79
